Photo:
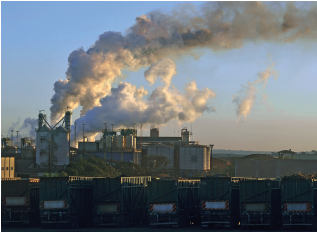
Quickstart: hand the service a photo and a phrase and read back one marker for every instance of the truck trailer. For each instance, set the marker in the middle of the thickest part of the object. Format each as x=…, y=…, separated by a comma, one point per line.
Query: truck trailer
x=120, y=201
x=66, y=201
x=260, y=201
x=174, y=203
x=299, y=203
x=219, y=202
x=20, y=202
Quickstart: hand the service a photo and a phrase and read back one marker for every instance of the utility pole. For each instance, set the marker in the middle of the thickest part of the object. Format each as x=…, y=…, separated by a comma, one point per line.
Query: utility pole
x=18, y=141
x=75, y=135
x=141, y=136
x=111, y=157
x=105, y=128
x=83, y=140
x=49, y=155
x=112, y=126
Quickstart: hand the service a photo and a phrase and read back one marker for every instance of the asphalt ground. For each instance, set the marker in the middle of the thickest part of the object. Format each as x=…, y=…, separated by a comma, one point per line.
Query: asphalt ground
x=192, y=228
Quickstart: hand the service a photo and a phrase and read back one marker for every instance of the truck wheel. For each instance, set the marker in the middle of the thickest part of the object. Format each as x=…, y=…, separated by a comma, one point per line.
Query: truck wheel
x=315, y=224
x=286, y=227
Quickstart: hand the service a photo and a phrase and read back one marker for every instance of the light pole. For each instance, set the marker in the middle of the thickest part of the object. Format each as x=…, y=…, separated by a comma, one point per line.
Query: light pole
x=12, y=136
x=83, y=140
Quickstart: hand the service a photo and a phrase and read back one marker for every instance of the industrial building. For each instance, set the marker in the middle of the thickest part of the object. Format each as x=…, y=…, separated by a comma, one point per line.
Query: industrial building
x=53, y=143
x=184, y=155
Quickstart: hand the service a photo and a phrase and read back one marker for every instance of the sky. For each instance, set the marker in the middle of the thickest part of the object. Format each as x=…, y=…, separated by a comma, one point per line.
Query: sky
x=262, y=94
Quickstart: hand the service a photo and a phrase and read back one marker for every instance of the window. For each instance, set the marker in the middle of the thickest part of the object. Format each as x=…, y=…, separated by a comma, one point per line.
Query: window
x=2, y=168
x=11, y=168
x=7, y=168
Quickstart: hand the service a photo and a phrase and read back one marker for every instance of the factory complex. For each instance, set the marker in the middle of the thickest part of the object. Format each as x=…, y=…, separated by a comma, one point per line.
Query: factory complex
x=53, y=150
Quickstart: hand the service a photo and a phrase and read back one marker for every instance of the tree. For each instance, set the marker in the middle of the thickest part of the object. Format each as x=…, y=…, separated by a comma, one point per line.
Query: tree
x=91, y=167
x=156, y=164
x=59, y=174
x=231, y=168
x=130, y=169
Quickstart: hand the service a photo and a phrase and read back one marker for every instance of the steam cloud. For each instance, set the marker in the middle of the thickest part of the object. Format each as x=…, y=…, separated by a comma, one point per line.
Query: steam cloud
x=124, y=105
x=246, y=97
x=26, y=130
x=154, y=41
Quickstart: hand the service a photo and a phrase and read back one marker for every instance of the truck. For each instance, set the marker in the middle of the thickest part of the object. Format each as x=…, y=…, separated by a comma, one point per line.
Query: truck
x=260, y=201
x=120, y=201
x=299, y=203
x=219, y=202
x=66, y=201
x=174, y=203
x=20, y=201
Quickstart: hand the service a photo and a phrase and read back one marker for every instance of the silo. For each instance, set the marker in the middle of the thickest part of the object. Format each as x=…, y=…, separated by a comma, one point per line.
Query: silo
x=120, y=142
x=42, y=137
x=194, y=158
x=108, y=141
x=60, y=152
x=129, y=142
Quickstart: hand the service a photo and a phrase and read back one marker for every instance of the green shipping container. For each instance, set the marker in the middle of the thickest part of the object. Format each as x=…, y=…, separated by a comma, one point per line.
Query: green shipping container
x=120, y=201
x=174, y=202
x=66, y=200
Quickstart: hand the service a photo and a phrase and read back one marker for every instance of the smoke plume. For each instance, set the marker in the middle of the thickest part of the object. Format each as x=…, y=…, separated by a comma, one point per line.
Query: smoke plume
x=245, y=98
x=125, y=104
x=26, y=130
x=157, y=37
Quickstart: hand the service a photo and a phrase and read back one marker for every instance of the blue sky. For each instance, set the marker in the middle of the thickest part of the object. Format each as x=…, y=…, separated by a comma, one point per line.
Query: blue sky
x=37, y=38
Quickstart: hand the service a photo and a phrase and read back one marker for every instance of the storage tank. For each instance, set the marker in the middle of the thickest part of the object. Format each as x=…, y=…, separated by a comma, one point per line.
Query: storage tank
x=120, y=142
x=129, y=141
x=163, y=150
x=102, y=144
x=194, y=158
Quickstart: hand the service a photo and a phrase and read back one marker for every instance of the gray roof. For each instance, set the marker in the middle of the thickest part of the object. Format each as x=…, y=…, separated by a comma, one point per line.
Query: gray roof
x=61, y=129
x=44, y=128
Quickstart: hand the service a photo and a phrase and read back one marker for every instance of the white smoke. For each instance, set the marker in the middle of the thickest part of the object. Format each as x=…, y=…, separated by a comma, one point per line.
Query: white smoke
x=125, y=106
x=245, y=98
x=165, y=69
x=26, y=130
x=157, y=36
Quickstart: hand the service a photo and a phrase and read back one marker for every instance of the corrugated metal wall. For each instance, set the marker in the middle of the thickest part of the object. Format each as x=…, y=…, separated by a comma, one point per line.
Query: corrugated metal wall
x=194, y=158
x=61, y=152
x=162, y=150
x=7, y=167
